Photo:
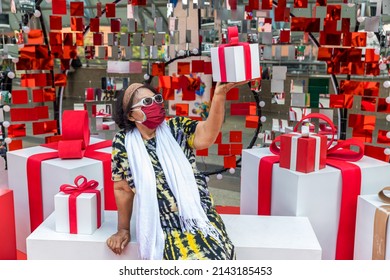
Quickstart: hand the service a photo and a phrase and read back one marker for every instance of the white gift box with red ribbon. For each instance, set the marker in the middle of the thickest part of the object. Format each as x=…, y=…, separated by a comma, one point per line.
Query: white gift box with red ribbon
x=235, y=62
x=79, y=209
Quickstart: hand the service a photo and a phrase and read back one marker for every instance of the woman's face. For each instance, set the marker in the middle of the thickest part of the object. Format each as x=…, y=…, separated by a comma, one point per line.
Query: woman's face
x=136, y=114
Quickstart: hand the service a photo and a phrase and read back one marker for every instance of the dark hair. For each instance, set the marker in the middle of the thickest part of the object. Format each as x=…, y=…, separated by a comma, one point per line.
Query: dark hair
x=121, y=116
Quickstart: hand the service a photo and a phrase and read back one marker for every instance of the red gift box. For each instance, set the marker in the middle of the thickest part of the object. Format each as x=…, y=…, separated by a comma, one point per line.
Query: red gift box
x=303, y=154
x=7, y=226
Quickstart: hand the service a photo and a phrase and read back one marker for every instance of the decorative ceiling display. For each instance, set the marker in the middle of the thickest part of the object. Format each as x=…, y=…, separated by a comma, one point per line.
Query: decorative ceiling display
x=329, y=56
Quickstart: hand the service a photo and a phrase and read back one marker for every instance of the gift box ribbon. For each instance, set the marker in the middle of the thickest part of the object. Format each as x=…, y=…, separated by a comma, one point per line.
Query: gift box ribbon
x=381, y=219
x=82, y=185
x=75, y=127
x=338, y=156
x=232, y=42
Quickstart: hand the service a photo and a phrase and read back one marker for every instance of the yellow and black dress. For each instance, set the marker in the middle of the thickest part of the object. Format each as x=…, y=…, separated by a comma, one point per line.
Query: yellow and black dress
x=178, y=244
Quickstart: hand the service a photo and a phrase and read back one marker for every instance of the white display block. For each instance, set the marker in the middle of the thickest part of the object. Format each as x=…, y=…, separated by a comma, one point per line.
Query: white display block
x=272, y=238
x=367, y=205
x=55, y=172
x=235, y=63
x=3, y=175
x=47, y=244
x=316, y=195
x=86, y=205
x=254, y=237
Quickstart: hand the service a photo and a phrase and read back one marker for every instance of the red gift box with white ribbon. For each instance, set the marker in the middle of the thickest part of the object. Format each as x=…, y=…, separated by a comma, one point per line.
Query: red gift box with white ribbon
x=303, y=153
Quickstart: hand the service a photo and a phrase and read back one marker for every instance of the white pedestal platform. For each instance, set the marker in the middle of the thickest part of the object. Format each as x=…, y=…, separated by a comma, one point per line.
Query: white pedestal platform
x=255, y=237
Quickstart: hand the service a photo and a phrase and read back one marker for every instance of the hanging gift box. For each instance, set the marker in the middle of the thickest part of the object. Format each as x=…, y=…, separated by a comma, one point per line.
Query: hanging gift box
x=235, y=62
x=79, y=208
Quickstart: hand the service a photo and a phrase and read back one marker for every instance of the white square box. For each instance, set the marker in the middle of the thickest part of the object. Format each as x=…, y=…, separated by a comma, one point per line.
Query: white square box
x=86, y=211
x=235, y=63
x=254, y=237
x=55, y=172
x=367, y=205
x=272, y=238
x=315, y=195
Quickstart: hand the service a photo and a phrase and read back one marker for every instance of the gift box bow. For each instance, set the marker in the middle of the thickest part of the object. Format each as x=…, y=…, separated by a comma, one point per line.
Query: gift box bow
x=82, y=185
x=340, y=151
x=75, y=135
x=339, y=155
x=232, y=34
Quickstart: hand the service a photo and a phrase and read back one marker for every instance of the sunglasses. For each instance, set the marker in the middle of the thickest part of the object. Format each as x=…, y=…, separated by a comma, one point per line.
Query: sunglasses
x=147, y=101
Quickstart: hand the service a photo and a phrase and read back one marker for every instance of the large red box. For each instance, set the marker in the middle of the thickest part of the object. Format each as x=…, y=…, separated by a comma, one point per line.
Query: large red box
x=7, y=225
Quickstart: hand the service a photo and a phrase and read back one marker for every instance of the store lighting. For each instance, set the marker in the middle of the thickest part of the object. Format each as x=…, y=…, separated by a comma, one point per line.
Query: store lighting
x=6, y=108
x=5, y=124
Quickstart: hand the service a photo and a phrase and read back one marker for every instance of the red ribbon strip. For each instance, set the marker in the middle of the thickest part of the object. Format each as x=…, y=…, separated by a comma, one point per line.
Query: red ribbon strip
x=338, y=157
x=72, y=119
x=74, y=191
x=34, y=187
x=233, y=41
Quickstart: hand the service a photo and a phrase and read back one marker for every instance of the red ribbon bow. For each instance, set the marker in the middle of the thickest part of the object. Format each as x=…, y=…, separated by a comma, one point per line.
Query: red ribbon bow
x=74, y=191
x=75, y=133
x=339, y=157
x=233, y=41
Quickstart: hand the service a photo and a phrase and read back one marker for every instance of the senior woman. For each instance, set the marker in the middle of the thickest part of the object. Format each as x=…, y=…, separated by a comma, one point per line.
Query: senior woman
x=153, y=165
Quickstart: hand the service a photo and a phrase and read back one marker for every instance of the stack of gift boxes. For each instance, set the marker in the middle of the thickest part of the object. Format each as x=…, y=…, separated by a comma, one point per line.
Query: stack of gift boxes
x=67, y=183
x=332, y=184
x=63, y=218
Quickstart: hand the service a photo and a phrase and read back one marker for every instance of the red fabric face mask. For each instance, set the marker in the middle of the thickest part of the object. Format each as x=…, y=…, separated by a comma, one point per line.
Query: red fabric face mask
x=154, y=115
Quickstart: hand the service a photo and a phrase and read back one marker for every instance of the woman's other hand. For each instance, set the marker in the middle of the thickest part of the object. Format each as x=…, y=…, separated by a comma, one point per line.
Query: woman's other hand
x=118, y=241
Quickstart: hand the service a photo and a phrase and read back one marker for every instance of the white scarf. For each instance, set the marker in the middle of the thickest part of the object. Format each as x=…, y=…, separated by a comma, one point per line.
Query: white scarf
x=181, y=180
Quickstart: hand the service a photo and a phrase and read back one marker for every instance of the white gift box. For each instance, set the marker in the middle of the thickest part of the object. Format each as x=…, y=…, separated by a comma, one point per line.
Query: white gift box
x=235, y=63
x=55, y=172
x=254, y=237
x=86, y=205
x=367, y=205
x=316, y=195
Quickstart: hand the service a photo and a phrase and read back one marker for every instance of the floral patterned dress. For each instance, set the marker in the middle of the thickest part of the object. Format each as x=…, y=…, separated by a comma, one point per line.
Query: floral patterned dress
x=178, y=244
